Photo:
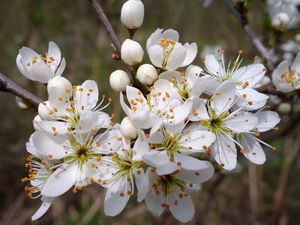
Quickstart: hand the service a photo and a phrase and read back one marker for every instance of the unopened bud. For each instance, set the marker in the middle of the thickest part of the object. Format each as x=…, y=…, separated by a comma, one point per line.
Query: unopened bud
x=128, y=129
x=118, y=80
x=132, y=14
x=146, y=74
x=131, y=52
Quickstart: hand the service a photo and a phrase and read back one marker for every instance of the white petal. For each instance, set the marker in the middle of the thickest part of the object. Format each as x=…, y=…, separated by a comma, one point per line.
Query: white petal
x=153, y=203
x=142, y=184
x=171, y=34
x=133, y=94
x=115, y=202
x=252, y=99
x=223, y=98
x=87, y=122
x=199, y=111
x=197, y=139
x=224, y=152
x=176, y=57
x=251, y=74
x=60, y=127
x=188, y=162
x=191, y=53
x=42, y=210
x=199, y=176
x=267, y=120
x=241, y=122
x=156, y=55
x=184, y=210
x=61, y=67
x=192, y=74
x=213, y=66
x=49, y=145
x=53, y=50
x=87, y=97
x=181, y=112
x=60, y=181
x=156, y=158
x=141, y=146
x=154, y=39
x=253, y=150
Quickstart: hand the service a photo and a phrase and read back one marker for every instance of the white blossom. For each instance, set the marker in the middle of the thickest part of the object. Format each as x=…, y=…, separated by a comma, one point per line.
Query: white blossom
x=252, y=148
x=217, y=116
x=39, y=172
x=163, y=105
x=245, y=79
x=166, y=52
x=172, y=191
x=121, y=172
x=75, y=155
x=286, y=77
x=38, y=67
x=71, y=107
x=171, y=147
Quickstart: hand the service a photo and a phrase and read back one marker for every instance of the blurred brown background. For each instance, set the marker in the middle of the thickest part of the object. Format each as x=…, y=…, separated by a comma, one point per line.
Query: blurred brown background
x=268, y=194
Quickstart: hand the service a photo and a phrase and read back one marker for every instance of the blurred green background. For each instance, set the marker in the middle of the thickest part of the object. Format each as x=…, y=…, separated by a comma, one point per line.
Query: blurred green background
x=268, y=194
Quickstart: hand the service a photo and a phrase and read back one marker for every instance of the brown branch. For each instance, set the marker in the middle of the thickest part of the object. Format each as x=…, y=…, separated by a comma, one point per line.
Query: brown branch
x=108, y=27
x=242, y=19
x=7, y=85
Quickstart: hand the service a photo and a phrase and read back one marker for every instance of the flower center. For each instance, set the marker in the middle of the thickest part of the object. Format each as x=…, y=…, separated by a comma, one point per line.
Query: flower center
x=168, y=46
x=167, y=184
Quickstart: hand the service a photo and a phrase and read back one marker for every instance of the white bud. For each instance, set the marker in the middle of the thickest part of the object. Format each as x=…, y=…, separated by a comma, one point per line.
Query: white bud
x=146, y=74
x=118, y=80
x=44, y=110
x=132, y=14
x=61, y=85
x=280, y=20
x=285, y=107
x=128, y=129
x=131, y=52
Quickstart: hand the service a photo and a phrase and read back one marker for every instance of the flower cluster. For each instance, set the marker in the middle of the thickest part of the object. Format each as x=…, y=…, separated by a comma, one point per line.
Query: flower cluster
x=284, y=13
x=182, y=115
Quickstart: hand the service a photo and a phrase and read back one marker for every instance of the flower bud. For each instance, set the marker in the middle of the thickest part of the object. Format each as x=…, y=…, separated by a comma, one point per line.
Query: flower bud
x=285, y=108
x=118, y=80
x=61, y=84
x=43, y=110
x=280, y=20
x=146, y=74
x=128, y=129
x=132, y=14
x=131, y=52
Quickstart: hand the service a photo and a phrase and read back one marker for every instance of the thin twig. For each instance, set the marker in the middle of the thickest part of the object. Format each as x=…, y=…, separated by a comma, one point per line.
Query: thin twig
x=242, y=19
x=108, y=27
x=7, y=85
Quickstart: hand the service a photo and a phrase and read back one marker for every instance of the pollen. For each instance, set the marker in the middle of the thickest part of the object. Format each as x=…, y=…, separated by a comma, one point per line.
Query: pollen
x=245, y=85
x=244, y=96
